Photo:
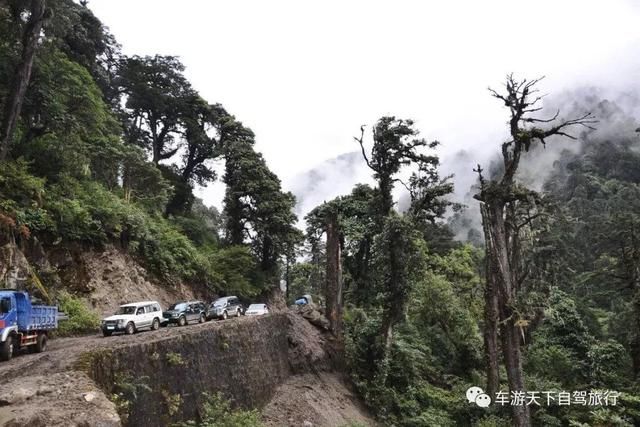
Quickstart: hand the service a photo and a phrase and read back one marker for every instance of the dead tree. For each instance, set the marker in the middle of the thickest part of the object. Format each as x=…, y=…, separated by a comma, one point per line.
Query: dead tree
x=334, y=275
x=502, y=199
x=22, y=75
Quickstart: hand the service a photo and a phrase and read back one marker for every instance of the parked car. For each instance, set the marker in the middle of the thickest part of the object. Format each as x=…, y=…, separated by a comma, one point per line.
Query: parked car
x=225, y=307
x=304, y=300
x=23, y=324
x=257, y=310
x=130, y=318
x=182, y=313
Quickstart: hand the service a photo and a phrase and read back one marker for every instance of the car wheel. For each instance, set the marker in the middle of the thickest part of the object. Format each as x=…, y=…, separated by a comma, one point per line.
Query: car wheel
x=182, y=321
x=41, y=343
x=6, y=349
x=202, y=318
x=238, y=313
x=130, y=329
x=224, y=315
x=107, y=333
x=155, y=325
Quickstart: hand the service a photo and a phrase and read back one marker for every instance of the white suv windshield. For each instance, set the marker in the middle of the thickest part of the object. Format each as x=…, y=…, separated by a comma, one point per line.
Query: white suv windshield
x=126, y=310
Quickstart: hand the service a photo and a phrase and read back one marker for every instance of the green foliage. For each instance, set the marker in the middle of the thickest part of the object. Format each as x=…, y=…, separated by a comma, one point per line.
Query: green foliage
x=217, y=412
x=173, y=402
x=434, y=353
x=80, y=172
x=235, y=270
x=560, y=346
x=609, y=364
x=66, y=123
x=126, y=389
x=301, y=280
x=175, y=359
x=256, y=208
x=20, y=200
x=81, y=319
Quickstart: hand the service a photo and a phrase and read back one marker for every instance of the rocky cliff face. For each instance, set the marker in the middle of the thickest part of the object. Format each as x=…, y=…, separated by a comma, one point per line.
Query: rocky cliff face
x=245, y=360
x=14, y=267
x=278, y=363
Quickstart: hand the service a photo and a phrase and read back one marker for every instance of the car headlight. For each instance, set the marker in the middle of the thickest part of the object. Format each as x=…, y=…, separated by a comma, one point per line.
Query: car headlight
x=121, y=322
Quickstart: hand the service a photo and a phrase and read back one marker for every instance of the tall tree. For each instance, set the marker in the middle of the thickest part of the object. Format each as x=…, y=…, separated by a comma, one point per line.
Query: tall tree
x=327, y=218
x=398, y=263
x=396, y=144
x=21, y=75
x=256, y=209
x=506, y=210
x=202, y=145
x=157, y=95
x=334, y=275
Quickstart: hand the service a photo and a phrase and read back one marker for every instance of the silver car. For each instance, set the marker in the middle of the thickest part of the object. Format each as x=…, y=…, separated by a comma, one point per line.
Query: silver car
x=225, y=307
x=257, y=310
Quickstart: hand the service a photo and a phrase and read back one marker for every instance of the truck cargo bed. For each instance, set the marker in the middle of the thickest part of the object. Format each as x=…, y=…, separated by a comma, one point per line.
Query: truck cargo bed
x=43, y=317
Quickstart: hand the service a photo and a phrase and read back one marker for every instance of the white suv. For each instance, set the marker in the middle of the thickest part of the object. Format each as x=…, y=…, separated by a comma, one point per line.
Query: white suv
x=133, y=317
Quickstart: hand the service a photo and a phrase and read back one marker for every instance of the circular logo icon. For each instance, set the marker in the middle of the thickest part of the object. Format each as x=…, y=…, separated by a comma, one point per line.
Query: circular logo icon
x=473, y=392
x=483, y=400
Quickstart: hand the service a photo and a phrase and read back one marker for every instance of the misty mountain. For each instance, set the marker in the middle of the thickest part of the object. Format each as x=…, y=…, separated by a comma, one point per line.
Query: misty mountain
x=331, y=178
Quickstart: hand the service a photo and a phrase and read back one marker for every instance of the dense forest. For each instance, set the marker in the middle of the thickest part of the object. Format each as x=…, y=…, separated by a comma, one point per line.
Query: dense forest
x=99, y=148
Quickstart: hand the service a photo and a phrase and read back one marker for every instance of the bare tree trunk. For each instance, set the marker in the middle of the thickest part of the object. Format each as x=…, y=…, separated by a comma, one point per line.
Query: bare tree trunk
x=501, y=285
x=491, y=339
x=287, y=279
x=22, y=75
x=499, y=201
x=513, y=362
x=334, y=277
x=490, y=332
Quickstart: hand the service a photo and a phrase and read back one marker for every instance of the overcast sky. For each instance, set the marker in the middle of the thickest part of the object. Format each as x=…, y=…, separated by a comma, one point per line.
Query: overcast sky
x=305, y=75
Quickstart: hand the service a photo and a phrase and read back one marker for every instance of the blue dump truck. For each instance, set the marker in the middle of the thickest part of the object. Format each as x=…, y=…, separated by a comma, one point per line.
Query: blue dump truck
x=24, y=325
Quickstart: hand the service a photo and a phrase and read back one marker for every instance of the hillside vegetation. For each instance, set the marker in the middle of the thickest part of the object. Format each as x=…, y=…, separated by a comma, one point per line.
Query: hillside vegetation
x=108, y=149
x=103, y=150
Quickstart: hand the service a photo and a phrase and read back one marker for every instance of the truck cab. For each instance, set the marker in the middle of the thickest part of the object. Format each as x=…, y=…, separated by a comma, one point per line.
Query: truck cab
x=23, y=324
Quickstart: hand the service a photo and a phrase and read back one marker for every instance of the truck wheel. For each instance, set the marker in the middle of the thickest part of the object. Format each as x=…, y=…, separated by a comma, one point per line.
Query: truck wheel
x=182, y=321
x=155, y=325
x=202, y=318
x=6, y=349
x=224, y=315
x=107, y=333
x=41, y=343
x=130, y=329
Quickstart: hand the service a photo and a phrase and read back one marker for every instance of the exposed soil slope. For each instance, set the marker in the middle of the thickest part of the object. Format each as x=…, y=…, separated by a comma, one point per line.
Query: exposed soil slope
x=112, y=277
x=318, y=400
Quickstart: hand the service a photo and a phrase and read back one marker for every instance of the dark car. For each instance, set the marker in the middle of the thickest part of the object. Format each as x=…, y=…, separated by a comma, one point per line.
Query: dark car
x=225, y=307
x=182, y=313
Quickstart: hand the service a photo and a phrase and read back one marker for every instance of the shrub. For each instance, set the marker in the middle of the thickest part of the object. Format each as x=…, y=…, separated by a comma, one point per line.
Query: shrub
x=217, y=412
x=175, y=359
x=81, y=318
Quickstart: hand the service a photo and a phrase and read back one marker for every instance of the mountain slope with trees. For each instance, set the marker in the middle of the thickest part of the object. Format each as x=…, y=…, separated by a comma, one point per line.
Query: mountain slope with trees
x=103, y=149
